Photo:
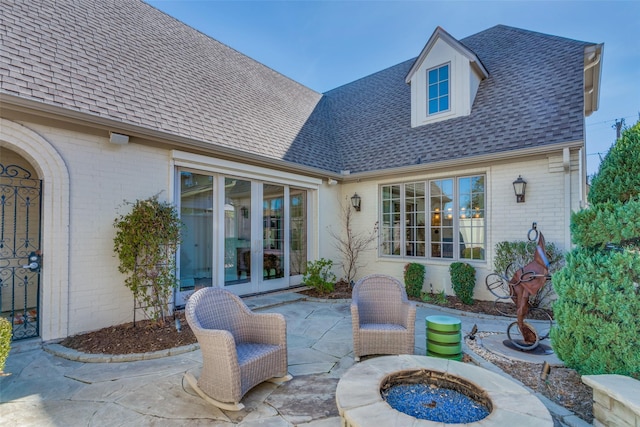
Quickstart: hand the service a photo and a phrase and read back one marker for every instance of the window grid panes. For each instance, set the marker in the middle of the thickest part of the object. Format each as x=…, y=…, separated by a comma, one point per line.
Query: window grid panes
x=390, y=231
x=453, y=211
x=441, y=208
x=438, y=89
x=471, y=217
x=415, y=219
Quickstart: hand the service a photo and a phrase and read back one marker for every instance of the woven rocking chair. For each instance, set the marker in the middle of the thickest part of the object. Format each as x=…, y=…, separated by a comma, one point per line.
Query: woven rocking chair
x=240, y=349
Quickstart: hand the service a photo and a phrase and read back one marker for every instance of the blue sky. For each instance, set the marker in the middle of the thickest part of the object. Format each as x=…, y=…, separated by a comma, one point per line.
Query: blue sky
x=325, y=44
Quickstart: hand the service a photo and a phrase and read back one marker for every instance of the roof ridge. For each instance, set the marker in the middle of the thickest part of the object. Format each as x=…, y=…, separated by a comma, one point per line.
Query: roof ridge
x=529, y=32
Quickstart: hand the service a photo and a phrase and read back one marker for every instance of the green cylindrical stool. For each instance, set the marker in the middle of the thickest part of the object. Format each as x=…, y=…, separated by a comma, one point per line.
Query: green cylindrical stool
x=444, y=337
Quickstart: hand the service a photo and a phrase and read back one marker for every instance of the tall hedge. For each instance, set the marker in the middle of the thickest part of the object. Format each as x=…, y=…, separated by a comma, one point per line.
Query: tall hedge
x=598, y=304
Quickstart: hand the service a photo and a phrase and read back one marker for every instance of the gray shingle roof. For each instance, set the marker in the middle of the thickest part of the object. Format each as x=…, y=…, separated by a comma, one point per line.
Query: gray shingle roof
x=533, y=96
x=125, y=60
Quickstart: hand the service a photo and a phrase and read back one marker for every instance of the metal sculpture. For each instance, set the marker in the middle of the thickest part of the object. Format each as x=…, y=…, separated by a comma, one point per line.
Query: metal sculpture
x=519, y=286
x=528, y=281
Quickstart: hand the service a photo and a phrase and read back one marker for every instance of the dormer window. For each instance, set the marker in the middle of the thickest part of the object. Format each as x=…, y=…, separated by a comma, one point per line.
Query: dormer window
x=444, y=80
x=438, y=89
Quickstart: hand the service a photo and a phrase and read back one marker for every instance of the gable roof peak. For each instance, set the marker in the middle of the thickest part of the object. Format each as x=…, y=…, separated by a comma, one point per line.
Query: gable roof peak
x=440, y=34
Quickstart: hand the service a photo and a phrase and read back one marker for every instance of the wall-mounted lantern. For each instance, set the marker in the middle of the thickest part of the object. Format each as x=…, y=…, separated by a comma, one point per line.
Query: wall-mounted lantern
x=355, y=202
x=519, y=186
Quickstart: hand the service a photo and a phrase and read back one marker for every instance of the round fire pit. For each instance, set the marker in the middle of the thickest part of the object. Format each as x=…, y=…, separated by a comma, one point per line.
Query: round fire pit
x=360, y=401
x=436, y=396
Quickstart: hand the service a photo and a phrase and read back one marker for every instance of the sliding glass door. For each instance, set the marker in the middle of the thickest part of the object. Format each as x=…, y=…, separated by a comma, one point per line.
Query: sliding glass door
x=195, y=258
x=259, y=230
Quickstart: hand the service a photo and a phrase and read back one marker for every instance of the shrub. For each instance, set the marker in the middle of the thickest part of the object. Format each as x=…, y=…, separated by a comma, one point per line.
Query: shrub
x=146, y=241
x=414, y=279
x=5, y=342
x=618, y=178
x=597, y=311
x=520, y=253
x=598, y=300
x=610, y=222
x=463, y=279
x=319, y=275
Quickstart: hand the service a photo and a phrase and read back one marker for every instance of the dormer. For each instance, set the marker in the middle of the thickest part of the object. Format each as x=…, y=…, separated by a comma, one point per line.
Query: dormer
x=444, y=80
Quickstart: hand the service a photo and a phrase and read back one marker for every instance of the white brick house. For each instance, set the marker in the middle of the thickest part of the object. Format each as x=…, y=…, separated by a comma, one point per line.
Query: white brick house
x=102, y=102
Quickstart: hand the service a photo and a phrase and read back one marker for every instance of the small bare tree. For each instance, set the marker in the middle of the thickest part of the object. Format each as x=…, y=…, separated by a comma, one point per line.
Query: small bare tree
x=350, y=243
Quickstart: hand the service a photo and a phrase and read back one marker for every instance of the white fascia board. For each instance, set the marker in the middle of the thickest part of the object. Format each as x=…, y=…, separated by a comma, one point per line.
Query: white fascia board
x=440, y=33
x=228, y=167
x=463, y=162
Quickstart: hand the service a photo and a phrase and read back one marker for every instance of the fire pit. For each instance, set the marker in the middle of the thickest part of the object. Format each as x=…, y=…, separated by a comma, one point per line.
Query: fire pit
x=360, y=395
x=436, y=396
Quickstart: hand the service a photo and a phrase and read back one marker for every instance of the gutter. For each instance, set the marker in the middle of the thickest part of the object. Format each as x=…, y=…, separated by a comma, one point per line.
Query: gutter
x=461, y=162
x=41, y=109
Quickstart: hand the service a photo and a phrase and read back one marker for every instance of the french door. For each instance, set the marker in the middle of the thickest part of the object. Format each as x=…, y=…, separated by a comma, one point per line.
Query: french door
x=248, y=236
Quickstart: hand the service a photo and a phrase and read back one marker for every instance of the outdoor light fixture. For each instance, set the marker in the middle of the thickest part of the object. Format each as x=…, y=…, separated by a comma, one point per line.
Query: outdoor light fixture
x=245, y=212
x=355, y=202
x=519, y=186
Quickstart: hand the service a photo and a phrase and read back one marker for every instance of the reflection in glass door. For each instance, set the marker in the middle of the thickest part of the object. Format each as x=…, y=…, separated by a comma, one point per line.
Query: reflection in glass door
x=273, y=243
x=246, y=235
x=297, y=232
x=196, y=213
x=237, y=232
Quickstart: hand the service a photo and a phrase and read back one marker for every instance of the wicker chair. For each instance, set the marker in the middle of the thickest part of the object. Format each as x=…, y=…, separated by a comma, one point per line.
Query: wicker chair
x=240, y=349
x=382, y=317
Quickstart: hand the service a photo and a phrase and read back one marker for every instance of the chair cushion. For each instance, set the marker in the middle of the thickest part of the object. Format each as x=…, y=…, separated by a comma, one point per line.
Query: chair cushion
x=382, y=327
x=252, y=351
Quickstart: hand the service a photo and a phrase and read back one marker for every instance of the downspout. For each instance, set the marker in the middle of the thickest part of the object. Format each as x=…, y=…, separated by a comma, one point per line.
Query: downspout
x=566, y=164
x=593, y=63
x=583, y=178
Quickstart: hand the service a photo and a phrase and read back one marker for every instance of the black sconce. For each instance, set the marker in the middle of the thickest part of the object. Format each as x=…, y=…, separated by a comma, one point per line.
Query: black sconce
x=355, y=202
x=519, y=186
x=245, y=212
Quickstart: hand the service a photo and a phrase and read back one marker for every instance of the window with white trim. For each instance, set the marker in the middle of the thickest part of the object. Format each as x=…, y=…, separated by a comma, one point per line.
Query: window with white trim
x=438, y=89
x=439, y=219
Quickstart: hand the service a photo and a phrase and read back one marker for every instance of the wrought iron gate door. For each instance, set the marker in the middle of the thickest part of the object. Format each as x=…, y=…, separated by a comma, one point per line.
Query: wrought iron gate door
x=20, y=201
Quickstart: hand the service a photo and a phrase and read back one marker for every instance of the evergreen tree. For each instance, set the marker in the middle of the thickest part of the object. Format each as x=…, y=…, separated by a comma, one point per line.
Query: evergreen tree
x=598, y=304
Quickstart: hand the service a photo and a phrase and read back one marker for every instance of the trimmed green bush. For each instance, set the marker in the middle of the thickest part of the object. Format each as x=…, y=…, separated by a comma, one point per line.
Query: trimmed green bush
x=319, y=275
x=618, y=178
x=598, y=302
x=520, y=253
x=597, y=312
x=609, y=222
x=463, y=279
x=5, y=342
x=414, y=278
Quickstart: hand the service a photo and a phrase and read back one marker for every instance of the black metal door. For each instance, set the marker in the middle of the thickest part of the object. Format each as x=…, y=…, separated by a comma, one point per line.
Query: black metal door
x=20, y=257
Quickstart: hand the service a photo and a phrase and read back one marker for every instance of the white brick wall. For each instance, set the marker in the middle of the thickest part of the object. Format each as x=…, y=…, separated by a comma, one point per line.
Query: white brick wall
x=83, y=290
x=102, y=176
x=545, y=204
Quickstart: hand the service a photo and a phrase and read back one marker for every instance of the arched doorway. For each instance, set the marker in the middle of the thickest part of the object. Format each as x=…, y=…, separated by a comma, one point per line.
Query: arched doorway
x=48, y=166
x=20, y=231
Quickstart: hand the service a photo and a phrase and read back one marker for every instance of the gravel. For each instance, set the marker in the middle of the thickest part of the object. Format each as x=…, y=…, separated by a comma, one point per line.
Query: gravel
x=434, y=403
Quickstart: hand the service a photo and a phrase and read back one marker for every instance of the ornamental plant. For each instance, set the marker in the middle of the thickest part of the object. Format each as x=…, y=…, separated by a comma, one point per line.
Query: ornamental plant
x=463, y=279
x=146, y=241
x=319, y=275
x=414, y=278
x=5, y=343
x=517, y=254
x=598, y=290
